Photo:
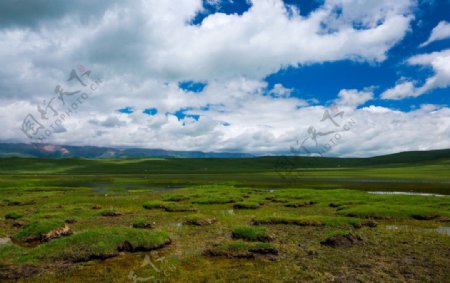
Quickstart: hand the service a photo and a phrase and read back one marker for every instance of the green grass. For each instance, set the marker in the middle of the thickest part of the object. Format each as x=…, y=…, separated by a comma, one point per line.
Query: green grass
x=97, y=244
x=300, y=204
x=307, y=220
x=382, y=211
x=174, y=197
x=110, y=213
x=168, y=206
x=37, y=229
x=199, y=220
x=179, y=208
x=214, y=165
x=338, y=233
x=297, y=215
x=249, y=233
x=215, y=200
x=141, y=224
x=154, y=204
x=13, y=215
x=246, y=205
x=239, y=249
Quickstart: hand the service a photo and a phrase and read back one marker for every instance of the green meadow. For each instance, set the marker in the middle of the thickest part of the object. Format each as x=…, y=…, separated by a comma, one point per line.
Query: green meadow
x=271, y=219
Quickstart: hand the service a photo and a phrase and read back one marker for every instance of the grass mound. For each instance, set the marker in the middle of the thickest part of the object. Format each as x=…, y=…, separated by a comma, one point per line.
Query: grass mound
x=142, y=224
x=40, y=231
x=13, y=215
x=308, y=220
x=20, y=203
x=153, y=204
x=254, y=234
x=110, y=213
x=199, y=220
x=277, y=200
x=215, y=200
x=178, y=208
x=100, y=244
x=291, y=220
x=174, y=197
x=300, y=204
x=341, y=238
x=241, y=249
x=378, y=211
x=246, y=205
x=169, y=207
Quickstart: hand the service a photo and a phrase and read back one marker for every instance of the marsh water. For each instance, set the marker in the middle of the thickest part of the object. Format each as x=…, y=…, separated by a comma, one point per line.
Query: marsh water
x=441, y=230
x=408, y=194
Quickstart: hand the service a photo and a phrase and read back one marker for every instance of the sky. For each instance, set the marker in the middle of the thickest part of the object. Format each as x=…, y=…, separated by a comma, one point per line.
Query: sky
x=321, y=77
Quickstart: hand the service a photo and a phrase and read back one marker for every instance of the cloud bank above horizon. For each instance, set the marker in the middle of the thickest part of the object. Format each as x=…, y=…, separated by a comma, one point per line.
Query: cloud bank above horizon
x=221, y=75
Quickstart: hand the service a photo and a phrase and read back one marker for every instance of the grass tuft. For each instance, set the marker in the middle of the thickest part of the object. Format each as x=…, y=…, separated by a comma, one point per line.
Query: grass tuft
x=239, y=249
x=13, y=215
x=169, y=207
x=142, y=224
x=100, y=243
x=308, y=220
x=199, y=220
x=246, y=205
x=380, y=211
x=174, y=197
x=154, y=204
x=36, y=230
x=215, y=200
x=248, y=233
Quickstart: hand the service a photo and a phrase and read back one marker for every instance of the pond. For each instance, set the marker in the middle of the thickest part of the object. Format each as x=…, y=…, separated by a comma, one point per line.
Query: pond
x=408, y=193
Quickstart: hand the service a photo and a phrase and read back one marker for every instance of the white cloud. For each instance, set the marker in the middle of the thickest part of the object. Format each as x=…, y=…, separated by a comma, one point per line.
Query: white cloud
x=152, y=38
x=257, y=123
x=279, y=90
x=441, y=31
x=142, y=49
x=438, y=61
x=353, y=98
x=265, y=39
x=400, y=91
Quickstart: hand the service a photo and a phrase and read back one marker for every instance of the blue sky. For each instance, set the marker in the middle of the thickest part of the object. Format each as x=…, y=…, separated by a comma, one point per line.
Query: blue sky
x=229, y=75
x=308, y=81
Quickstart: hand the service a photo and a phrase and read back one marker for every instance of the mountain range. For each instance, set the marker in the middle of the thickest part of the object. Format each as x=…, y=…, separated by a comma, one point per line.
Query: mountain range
x=93, y=152
x=67, y=151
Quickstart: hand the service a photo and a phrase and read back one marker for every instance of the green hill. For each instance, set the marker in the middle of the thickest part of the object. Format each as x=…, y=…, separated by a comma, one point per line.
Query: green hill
x=17, y=165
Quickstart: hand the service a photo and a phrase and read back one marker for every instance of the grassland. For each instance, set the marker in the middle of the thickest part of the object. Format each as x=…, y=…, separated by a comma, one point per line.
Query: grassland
x=226, y=220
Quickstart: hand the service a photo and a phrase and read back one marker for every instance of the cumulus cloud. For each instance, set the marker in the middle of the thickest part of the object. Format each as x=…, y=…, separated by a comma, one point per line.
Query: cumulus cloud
x=380, y=128
x=141, y=50
x=266, y=38
x=256, y=124
x=400, y=91
x=151, y=38
x=353, y=98
x=279, y=90
x=35, y=14
x=441, y=31
x=109, y=122
x=438, y=61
